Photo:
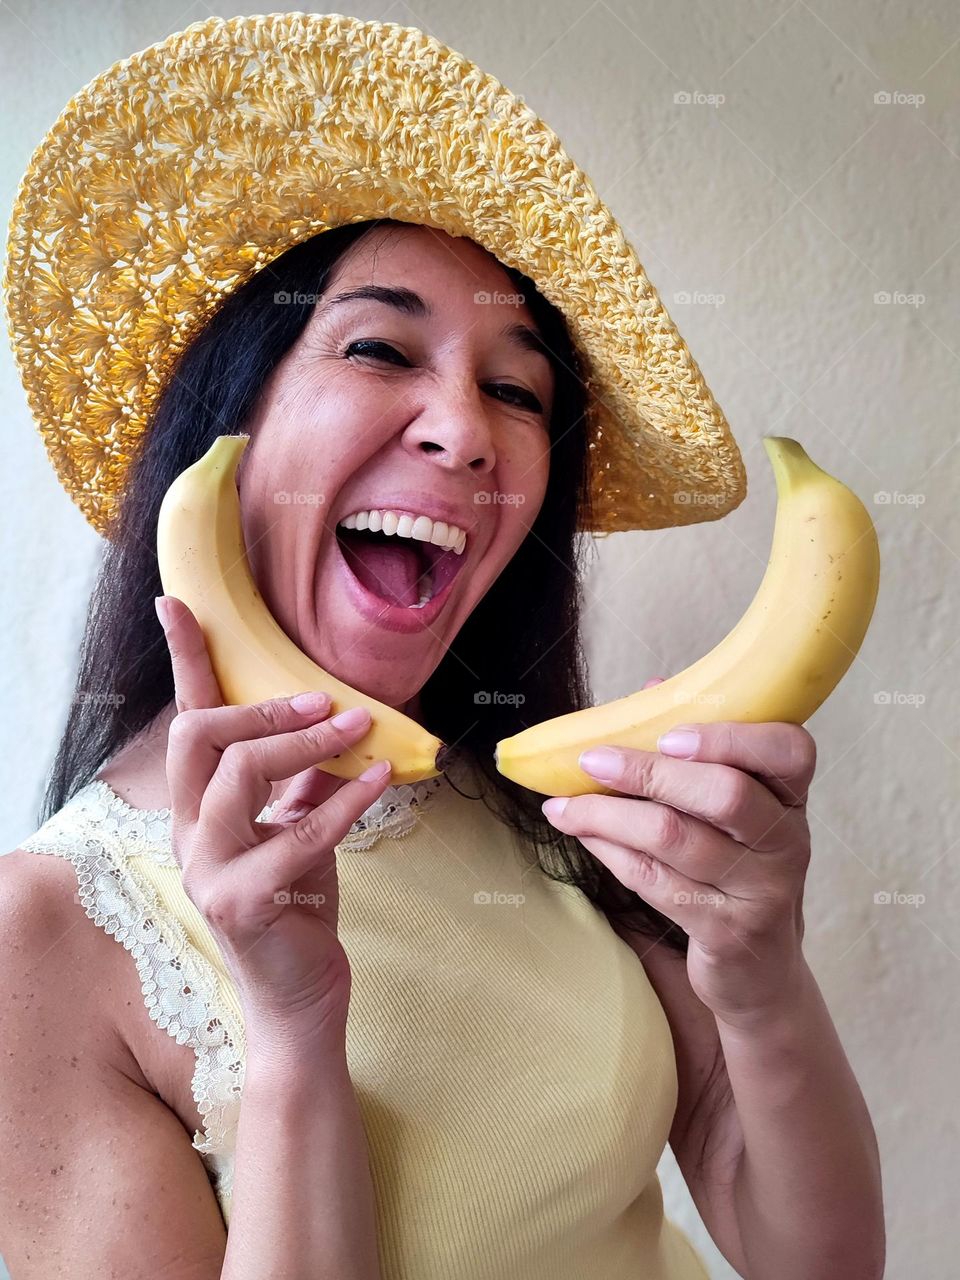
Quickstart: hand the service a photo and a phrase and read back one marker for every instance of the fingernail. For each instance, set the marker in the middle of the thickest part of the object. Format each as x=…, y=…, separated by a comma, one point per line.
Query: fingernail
x=679, y=742
x=160, y=604
x=375, y=772
x=351, y=719
x=603, y=762
x=310, y=702
x=555, y=806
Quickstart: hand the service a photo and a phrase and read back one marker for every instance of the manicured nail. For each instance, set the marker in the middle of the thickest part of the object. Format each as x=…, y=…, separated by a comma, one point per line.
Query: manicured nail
x=351, y=719
x=555, y=806
x=679, y=742
x=602, y=762
x=376, y=771
x=310, y=702
x=163, y=612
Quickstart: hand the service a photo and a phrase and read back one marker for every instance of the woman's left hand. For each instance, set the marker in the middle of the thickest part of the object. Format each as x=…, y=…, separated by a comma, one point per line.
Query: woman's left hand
x=717, y=841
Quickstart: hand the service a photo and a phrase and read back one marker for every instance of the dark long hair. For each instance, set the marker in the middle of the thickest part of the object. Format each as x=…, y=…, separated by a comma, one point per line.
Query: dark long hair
x=517, y=660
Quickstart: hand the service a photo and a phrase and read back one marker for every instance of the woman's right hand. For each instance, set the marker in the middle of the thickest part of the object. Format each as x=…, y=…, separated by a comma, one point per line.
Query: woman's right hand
x=268, y=891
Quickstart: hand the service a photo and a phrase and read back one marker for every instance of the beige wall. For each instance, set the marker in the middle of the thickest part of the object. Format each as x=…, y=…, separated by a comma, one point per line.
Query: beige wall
x=781, y=211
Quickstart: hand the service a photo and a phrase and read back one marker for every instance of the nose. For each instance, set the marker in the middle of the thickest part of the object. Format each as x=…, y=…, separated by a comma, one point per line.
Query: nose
x=455, y=431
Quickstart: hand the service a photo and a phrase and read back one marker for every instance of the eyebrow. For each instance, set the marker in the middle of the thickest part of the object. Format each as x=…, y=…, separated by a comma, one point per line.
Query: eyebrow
x=411, y=304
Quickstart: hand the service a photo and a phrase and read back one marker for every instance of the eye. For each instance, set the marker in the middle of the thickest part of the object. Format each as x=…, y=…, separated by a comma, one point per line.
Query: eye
x=370, y=345
x=517, y=395
x=521, y=398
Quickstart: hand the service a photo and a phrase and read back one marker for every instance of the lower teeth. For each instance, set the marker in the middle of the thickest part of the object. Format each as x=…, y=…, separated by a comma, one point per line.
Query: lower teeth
x=426, y=597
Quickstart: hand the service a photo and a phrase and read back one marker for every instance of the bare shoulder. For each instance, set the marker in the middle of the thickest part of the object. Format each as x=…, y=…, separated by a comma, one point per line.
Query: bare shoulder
x=55, y=965
x=94, y=1167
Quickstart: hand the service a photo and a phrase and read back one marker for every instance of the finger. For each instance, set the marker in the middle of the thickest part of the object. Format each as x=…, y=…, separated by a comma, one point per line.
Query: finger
x=648, y=684
x=693, y=848
x=304, y=792
x=197, y=740
x=194, y=683
x=248, y=769
x=296, y=850
x=783, y=756
x=699, y=909
x=725, y=797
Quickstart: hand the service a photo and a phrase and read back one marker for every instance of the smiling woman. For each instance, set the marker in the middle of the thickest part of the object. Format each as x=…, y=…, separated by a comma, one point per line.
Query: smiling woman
x=364, y=398
x=429, y=1056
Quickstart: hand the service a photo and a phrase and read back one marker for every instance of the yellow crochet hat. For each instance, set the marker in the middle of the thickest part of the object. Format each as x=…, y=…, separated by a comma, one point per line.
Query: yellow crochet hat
x=179, y=172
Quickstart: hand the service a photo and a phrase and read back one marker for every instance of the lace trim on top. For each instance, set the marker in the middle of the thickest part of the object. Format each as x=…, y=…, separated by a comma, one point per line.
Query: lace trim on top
x=98, y=832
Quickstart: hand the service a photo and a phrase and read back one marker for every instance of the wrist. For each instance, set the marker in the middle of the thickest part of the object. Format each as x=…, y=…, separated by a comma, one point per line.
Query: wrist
x=792, y=996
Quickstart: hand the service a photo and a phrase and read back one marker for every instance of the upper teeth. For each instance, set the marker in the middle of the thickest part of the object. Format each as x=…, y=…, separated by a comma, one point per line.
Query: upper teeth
x=404, y=525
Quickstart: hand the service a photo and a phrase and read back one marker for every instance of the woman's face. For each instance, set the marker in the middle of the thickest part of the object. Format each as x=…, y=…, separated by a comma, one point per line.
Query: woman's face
x=428, y=408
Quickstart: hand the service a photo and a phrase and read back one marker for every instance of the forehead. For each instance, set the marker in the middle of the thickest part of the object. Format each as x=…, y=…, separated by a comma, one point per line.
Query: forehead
x=448, y=271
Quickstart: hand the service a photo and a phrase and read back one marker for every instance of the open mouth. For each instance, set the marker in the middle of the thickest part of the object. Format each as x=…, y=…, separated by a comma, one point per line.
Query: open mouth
x=402, y=572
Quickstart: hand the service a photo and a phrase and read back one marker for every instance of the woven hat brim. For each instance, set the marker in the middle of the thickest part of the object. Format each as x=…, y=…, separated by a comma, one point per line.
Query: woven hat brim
x=180, y=171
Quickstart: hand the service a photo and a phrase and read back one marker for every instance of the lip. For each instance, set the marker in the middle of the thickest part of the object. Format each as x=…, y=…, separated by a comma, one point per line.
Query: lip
x=392, y=617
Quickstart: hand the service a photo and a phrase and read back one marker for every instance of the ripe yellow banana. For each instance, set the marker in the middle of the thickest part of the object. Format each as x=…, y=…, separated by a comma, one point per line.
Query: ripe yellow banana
x=780, y=662
x=203, y=562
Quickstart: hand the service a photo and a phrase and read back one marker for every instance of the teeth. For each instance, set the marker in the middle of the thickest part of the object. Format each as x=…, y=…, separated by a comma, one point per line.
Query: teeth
x=404, y=525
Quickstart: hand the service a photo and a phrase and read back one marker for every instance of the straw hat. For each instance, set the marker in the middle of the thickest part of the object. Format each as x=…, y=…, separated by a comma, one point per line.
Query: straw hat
x=180, y=171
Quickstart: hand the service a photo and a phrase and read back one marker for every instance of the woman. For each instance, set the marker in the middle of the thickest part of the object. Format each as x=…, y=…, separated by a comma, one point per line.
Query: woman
x=427, y=1056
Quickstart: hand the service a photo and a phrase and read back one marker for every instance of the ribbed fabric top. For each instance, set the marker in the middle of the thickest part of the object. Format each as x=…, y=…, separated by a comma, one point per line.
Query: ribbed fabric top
x=513, y=1065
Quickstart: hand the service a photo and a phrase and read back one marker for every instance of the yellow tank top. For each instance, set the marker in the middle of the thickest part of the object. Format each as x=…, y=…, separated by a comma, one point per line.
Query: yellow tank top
x=513, y=1065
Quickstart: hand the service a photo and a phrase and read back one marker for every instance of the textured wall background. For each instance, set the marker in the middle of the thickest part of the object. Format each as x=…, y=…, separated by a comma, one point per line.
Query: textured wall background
x=781, y=168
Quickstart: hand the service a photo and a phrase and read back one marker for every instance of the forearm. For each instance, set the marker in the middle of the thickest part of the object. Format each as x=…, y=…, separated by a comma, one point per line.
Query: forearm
x=807, y=1190
x=303, y=1203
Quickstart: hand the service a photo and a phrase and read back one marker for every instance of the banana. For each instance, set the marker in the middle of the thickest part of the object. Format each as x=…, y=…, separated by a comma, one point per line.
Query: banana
x=779, y=663
x=203, y=562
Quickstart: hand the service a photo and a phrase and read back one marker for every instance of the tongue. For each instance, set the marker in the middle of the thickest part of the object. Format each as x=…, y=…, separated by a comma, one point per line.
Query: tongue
x=392, y=571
